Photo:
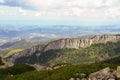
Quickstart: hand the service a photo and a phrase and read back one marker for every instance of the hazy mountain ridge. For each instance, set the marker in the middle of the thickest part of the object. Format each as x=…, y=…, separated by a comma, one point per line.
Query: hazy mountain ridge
x=8, y=32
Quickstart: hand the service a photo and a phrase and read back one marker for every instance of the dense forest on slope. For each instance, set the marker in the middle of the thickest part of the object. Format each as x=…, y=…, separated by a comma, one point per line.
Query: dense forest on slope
x=25, y=72
x=115, y=60
x=93, y=53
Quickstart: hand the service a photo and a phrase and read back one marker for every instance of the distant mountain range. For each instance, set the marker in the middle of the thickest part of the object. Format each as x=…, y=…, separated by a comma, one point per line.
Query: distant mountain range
x=52, y=32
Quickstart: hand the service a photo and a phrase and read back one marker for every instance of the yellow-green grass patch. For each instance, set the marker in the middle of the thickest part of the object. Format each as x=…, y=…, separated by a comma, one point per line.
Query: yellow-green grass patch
x=11, y=52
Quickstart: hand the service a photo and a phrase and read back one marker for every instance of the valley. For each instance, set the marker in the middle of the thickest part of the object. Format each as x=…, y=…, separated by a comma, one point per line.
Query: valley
x=65, y=59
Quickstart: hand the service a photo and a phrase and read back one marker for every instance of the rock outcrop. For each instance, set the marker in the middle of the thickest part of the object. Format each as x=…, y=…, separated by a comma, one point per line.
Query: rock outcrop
x=26, y=56
x=117, y=72
x=101, y=75
x=78, y=43
x=106, y=74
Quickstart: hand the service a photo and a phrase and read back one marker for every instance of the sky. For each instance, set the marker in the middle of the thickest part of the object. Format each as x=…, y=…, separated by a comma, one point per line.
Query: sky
x=69, y=12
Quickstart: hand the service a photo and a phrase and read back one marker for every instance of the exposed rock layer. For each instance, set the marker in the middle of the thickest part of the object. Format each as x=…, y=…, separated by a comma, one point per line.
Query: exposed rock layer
x=80, y=43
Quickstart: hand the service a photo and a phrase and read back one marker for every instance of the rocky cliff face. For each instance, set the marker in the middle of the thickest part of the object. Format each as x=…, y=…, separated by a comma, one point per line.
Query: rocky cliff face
x=80, y=43
x=105, y=38
x=27, y=56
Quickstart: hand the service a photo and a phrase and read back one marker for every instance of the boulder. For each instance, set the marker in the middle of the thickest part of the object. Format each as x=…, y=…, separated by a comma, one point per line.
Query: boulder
x=118, y=72
x=72, y=79
x=100, y=75
x=77, y=79
x=104, y=74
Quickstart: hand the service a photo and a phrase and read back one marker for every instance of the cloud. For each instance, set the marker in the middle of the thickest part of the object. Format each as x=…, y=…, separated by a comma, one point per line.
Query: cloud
x=81, y=9
x=59, y=4
x=1, y=1
x=38, y=4
x=32, y=4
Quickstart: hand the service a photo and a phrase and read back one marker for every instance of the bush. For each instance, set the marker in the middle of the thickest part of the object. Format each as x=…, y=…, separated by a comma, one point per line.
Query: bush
x=64, y=73
x=1, y=63
x=14, y=70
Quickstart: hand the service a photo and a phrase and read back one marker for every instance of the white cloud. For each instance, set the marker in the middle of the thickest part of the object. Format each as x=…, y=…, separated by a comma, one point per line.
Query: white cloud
x=81, y=9
x=1, y=1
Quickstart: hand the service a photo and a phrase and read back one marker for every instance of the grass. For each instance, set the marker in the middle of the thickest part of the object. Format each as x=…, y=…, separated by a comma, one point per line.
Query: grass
x=15, y=70
x=64, y=73
x=11, y=52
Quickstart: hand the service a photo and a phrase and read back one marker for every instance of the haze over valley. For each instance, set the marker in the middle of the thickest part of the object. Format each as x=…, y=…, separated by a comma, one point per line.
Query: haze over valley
x=34, y=33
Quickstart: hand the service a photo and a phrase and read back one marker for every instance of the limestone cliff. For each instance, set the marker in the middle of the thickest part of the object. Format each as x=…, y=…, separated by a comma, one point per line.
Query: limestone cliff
x=80, y=43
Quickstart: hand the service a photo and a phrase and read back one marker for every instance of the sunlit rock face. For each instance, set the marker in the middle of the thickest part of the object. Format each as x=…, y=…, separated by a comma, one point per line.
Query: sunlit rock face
x=78, y=43
x=106, y=38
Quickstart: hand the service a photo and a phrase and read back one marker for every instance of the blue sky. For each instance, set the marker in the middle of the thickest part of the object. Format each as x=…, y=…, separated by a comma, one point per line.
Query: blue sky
x=70, y=12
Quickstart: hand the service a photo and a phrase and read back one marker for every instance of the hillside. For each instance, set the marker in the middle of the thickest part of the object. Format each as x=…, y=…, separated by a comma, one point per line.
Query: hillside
x=30, y=55
x=95, y=49
x=14, y=70
x=82, y=71
x=68, y=63
x=115, y=60
x=66, y=73
x=94, y=53
x=13, y=51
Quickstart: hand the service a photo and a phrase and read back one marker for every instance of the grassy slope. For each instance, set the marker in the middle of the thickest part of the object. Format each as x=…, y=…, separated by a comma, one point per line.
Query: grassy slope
x=11, y=52
x=75, y=56
x=14, y=70
x=16, y=49
x=64, y=73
